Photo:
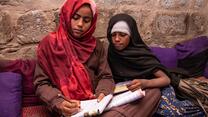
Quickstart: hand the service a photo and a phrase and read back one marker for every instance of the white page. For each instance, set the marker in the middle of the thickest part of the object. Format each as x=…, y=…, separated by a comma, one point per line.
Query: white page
x=92, y=106
x=86, y=106
x=125, y=98
x=104, y=102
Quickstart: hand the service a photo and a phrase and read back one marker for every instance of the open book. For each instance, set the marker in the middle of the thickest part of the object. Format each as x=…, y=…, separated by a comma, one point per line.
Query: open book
x=124, y=98
x=122, y=95
x=121, y=87
x=92, y=107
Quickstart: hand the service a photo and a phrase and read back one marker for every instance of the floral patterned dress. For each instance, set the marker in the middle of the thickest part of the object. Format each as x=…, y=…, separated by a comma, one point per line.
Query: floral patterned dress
x=171, y=106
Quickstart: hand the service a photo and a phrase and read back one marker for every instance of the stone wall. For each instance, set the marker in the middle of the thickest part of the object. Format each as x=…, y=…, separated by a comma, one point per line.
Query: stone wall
x=23, y=23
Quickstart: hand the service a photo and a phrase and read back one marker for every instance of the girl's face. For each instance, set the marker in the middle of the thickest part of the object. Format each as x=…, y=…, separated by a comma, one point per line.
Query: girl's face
x=81, y=21
x=120, y=40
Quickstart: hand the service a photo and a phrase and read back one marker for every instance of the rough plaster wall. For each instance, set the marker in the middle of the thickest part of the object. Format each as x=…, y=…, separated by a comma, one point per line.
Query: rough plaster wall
x=23, y=23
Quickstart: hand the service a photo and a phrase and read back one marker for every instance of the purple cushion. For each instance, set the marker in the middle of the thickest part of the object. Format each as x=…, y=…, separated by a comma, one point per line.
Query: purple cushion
x=192, y=47
x=10, y=94
x=193, y=55
x=167, y=56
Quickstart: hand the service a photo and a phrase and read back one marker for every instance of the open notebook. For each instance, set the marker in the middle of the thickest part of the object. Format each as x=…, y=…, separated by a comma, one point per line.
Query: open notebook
x=92, y=107
x=120, y=97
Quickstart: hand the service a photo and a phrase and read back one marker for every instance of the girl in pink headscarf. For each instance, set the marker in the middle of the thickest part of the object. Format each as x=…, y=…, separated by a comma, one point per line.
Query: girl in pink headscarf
x=71, y=62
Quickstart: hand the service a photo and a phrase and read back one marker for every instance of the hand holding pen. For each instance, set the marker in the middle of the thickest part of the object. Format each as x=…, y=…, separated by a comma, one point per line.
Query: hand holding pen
x=68, y=107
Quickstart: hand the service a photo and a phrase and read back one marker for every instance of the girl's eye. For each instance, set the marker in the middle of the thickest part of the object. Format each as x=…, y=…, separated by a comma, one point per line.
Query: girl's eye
x=122, y=34
x=87, y=19
x=113, y=35
x=76, y=17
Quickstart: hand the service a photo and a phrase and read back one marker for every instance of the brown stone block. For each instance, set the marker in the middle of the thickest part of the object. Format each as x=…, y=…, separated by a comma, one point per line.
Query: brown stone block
x=197, y=23
x=10, y=2
x=9, y=48
x=118, y=3
x=127, y=2
x=105, y=3
x=199, y=4
x=3, y=2
x=5, y=28
x=15, y=51
x=172, y=4
x=147, y=4
x=27, y=52
x=32, y=27
x=170, y=24
x=102, y=22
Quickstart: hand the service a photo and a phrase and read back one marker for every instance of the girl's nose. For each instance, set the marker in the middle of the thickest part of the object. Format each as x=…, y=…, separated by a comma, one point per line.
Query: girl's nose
x=117, y=37
x=80, y=22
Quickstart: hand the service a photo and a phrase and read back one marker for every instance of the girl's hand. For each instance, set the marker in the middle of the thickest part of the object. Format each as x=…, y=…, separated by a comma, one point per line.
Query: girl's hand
x=100, y=97
x=68, y=108
x=137, y=84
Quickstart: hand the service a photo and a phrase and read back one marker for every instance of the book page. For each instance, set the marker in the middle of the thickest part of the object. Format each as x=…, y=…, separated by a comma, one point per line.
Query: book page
x=92, y=107
x=121, y=87
x=104, y=102
x=124, y=98
x=86, y=106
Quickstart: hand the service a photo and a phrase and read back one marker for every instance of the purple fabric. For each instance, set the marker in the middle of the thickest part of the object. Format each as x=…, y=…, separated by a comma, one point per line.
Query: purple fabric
x=10, y=94
x=26, y=68
x=191, y=47
x=167, y=56
x=193, y=55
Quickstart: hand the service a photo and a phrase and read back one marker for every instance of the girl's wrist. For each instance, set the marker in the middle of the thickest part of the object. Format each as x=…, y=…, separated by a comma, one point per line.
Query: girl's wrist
x=145, y=83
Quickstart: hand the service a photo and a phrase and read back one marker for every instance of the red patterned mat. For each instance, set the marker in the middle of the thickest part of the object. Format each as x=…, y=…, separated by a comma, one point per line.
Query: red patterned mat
x=35, y=111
